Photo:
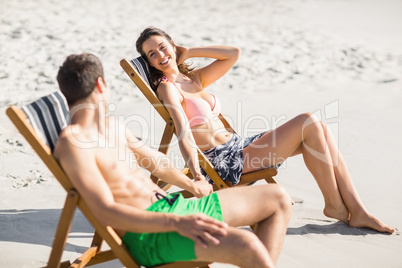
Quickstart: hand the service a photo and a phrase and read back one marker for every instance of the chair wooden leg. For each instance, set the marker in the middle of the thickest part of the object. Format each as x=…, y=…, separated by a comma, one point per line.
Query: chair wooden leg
x=88, y=255
x=102, y=257
x=63, y=229
x=97, y=241
x=270, y=180
x=65, y=264
x=82, y=260
x=163, y=148
x=166, y=137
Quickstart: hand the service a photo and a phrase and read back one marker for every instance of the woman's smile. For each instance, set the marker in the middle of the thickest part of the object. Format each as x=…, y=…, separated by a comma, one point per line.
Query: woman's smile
x=166, y=61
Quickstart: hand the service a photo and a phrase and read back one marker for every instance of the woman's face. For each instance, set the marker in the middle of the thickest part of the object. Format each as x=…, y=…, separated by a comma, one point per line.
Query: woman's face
x=160, y=52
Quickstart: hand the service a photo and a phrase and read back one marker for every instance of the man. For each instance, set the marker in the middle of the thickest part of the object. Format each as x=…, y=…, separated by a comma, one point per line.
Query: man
x=94, y=153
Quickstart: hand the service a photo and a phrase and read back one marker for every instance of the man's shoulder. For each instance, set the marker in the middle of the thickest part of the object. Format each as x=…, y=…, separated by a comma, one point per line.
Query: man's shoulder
x=70, y=138
x=70, y=132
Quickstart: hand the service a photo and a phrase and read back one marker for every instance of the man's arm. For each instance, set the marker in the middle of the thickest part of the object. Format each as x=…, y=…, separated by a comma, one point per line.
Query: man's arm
x=81, y=167
x=160, y=166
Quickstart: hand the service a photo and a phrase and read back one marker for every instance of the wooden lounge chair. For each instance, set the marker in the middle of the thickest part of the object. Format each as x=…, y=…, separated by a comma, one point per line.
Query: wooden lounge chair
x=40, y=123
x=137, y=70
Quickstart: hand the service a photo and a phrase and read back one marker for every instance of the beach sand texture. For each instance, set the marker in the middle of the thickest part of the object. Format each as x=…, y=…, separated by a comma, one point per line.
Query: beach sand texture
x=339, y=59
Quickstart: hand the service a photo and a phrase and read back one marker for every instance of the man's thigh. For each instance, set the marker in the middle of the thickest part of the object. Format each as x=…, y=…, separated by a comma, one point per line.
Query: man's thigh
x=236, y=247
x=247, y=205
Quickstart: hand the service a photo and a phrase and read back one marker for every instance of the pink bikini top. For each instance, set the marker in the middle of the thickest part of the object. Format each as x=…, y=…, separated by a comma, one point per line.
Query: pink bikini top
x=198, y=110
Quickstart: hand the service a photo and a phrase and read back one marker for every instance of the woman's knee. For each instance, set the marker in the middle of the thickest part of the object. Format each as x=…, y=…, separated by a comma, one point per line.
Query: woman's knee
x=310, y=124
x=308, y=118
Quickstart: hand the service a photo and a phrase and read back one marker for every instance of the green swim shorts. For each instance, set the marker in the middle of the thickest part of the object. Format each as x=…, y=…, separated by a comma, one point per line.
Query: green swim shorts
x=150, y=249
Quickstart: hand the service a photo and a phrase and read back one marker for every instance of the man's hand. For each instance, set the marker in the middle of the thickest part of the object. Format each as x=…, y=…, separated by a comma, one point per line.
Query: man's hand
x=202, y=229
x=203, y=187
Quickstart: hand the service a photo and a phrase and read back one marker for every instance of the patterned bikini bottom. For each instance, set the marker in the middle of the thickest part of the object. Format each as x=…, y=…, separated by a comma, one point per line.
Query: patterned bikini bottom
x=227, y=158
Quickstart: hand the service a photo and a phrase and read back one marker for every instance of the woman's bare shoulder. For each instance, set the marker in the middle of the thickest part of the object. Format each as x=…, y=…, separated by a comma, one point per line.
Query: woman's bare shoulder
x=167, y=91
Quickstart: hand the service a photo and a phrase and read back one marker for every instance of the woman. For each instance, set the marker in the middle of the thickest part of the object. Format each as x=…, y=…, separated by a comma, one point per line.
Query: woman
x=194, y=113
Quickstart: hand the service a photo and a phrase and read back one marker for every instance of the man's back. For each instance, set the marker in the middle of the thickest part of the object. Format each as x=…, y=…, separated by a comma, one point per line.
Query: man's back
x=85, y=150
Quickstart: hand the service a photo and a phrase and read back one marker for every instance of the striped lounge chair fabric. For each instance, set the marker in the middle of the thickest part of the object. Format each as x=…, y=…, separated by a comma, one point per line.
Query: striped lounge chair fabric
x=48, y=116
x=142, y=67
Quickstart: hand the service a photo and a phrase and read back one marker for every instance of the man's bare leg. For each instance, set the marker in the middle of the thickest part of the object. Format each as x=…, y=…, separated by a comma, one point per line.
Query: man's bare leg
x=268, y=206
x=240, y=247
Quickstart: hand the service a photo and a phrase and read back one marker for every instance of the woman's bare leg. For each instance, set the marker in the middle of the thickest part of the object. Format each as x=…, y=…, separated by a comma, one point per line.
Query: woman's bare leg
x=305, y=135
x=359, y=216
x=300, y=135
x=268, y=206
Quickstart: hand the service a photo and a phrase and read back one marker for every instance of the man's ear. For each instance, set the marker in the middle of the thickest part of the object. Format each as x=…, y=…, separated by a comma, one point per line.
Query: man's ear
x=100, y=84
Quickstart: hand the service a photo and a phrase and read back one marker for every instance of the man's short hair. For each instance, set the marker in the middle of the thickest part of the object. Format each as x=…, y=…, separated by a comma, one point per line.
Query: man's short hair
x=77, y=76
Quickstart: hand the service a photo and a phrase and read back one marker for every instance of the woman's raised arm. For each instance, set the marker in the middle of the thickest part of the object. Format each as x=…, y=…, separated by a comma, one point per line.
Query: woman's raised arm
x=226, y=57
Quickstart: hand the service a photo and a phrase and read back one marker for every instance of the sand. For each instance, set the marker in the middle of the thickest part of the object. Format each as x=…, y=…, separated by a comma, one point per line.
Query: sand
x=339, y=59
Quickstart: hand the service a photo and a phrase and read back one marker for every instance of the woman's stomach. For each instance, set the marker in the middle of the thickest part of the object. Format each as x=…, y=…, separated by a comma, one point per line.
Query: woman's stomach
x=210, y=134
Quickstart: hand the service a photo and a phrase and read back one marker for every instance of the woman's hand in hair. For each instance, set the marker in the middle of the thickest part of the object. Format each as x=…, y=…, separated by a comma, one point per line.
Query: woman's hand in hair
x=182, y=54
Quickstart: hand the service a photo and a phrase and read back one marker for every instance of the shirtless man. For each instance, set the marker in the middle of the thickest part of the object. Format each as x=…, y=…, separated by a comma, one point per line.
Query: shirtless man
x=104, y=161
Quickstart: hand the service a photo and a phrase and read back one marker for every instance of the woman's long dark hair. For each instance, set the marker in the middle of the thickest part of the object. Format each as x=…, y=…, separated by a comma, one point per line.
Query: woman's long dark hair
x=154, y=74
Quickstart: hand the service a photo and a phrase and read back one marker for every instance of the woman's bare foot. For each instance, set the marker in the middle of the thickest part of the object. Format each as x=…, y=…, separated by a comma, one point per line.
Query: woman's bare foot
x=369, y=221
x=341, y=213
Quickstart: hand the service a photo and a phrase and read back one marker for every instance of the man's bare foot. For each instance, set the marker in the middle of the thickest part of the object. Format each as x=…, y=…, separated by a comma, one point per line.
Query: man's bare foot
x=341, y=213
x=369, y=221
